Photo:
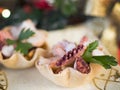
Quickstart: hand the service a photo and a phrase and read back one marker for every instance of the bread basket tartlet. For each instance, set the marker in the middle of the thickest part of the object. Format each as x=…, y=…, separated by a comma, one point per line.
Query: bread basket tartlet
x=12, y=58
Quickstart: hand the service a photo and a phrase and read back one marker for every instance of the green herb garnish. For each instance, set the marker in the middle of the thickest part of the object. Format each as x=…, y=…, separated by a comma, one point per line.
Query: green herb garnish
x=21, y=46
x=106, y=61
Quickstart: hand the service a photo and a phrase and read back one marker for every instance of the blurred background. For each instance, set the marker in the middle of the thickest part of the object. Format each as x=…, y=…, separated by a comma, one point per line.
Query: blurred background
x=102, y=16
x=47, y=14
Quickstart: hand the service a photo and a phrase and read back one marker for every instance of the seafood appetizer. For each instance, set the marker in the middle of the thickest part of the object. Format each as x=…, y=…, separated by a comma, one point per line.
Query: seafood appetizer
x=70, y=65
x=20, y=46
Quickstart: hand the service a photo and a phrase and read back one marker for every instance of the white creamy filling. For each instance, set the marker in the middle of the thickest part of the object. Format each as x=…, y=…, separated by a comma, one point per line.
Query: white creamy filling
x=37, y=40
x=27, y=24
x=7, y=50
x=97, y=52
x=69, y=47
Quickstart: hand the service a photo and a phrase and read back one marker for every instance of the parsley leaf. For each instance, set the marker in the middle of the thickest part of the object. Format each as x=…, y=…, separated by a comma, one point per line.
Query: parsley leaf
x=88, y=52
x=22, y=47
x=10, y=42
x=106, y=61
x=92, y=46
x=25, y=34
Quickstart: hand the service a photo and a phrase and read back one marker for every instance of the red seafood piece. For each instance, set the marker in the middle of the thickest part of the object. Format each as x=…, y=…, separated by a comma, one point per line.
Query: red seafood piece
x=62, y=48
x=82, y=66
x=70, y=56
x=3, y=36
x=84, y=39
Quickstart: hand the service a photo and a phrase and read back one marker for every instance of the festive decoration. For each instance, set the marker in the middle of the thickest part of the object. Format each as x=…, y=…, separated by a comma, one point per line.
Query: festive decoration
x=43, y=5
x=44, y=13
